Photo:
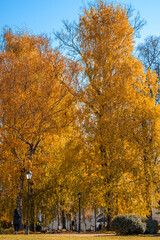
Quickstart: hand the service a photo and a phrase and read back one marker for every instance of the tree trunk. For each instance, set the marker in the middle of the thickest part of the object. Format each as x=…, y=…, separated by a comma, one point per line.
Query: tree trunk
x=83, y=220
x=63, y=220
x=32, y=210
x=19, y=200
x=109, y=219
x=95, y=219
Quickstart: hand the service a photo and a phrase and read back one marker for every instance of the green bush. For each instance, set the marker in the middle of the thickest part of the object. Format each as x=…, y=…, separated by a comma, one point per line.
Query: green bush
x=152, y=226
x=128, y=224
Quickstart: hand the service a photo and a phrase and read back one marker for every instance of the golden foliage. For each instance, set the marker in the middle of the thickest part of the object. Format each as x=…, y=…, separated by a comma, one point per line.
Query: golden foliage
x=102, y=141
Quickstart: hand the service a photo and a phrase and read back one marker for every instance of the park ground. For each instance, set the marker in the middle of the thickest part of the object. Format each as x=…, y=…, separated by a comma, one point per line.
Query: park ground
x=78, y=237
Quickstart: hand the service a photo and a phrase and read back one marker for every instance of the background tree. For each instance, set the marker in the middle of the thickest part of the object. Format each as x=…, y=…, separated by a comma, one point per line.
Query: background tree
x=135, y=20
x=149, y=54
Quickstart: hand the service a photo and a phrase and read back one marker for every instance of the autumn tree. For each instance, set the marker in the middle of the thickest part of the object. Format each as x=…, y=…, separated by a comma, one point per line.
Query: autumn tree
x=111, y=141
x=36, y=101
x=120, y=116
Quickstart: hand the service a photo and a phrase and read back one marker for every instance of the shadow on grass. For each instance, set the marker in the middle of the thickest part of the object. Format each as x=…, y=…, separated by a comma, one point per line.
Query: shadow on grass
x=155, y=235
x=134, y=235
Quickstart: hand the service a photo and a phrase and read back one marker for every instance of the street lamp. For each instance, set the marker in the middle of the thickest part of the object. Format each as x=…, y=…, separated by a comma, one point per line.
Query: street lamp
x=79, y=229
x=28, y=176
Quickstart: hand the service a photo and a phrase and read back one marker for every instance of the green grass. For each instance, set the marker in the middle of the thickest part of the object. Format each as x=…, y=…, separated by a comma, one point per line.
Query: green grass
x=59, y=237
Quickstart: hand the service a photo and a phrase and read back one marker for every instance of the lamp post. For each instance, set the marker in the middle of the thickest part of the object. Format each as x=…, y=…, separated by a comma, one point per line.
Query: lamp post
x=79, y=229
x=28, y=176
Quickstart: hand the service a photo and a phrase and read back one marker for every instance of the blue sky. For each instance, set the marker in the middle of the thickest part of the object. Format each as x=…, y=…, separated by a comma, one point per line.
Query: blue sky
x=44, y=16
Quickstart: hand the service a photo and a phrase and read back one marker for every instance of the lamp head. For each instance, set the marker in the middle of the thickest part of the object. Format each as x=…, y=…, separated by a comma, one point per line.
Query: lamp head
x=29, y=175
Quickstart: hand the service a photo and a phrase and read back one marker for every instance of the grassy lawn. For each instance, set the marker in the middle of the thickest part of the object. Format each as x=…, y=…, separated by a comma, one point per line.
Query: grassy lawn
x=59, y=237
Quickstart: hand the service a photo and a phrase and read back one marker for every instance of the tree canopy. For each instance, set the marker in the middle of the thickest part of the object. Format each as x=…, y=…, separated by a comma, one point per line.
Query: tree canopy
x=100, y=138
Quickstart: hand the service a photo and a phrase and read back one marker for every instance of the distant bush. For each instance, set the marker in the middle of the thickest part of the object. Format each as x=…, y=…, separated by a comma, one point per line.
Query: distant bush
x=134, y=224
x=7, y=231
x=38, y=227
x=5, y=224
x=151, y=227
x=129, y=224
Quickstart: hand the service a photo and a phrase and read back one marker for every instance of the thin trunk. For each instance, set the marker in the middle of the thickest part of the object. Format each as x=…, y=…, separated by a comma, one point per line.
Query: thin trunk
x=95, y=219
x=83, y=220
x=19, y=199
x=75, y=221
x=58, y=221
x=63, y=220
x=147, y=185
x=32, y=209
x=109, y=219
x=110, y=200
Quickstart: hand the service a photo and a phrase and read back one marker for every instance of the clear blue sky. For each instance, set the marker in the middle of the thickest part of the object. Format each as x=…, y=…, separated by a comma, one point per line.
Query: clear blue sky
x=42, y=16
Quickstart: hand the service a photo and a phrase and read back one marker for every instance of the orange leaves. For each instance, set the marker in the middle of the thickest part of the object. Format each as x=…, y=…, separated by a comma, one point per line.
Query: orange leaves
x=119, y=103
x=105, y=30
x=100, y=140
x=36, y=95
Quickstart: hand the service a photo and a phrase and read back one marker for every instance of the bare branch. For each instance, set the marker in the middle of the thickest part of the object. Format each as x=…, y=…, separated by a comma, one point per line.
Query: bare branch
x=135, y=20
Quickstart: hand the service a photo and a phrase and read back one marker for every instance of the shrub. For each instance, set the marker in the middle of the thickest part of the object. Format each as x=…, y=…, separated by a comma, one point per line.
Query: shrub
x=128, y=224
x=152, y=226
x=7, y=231
x=38, y=227
x=5, y=224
